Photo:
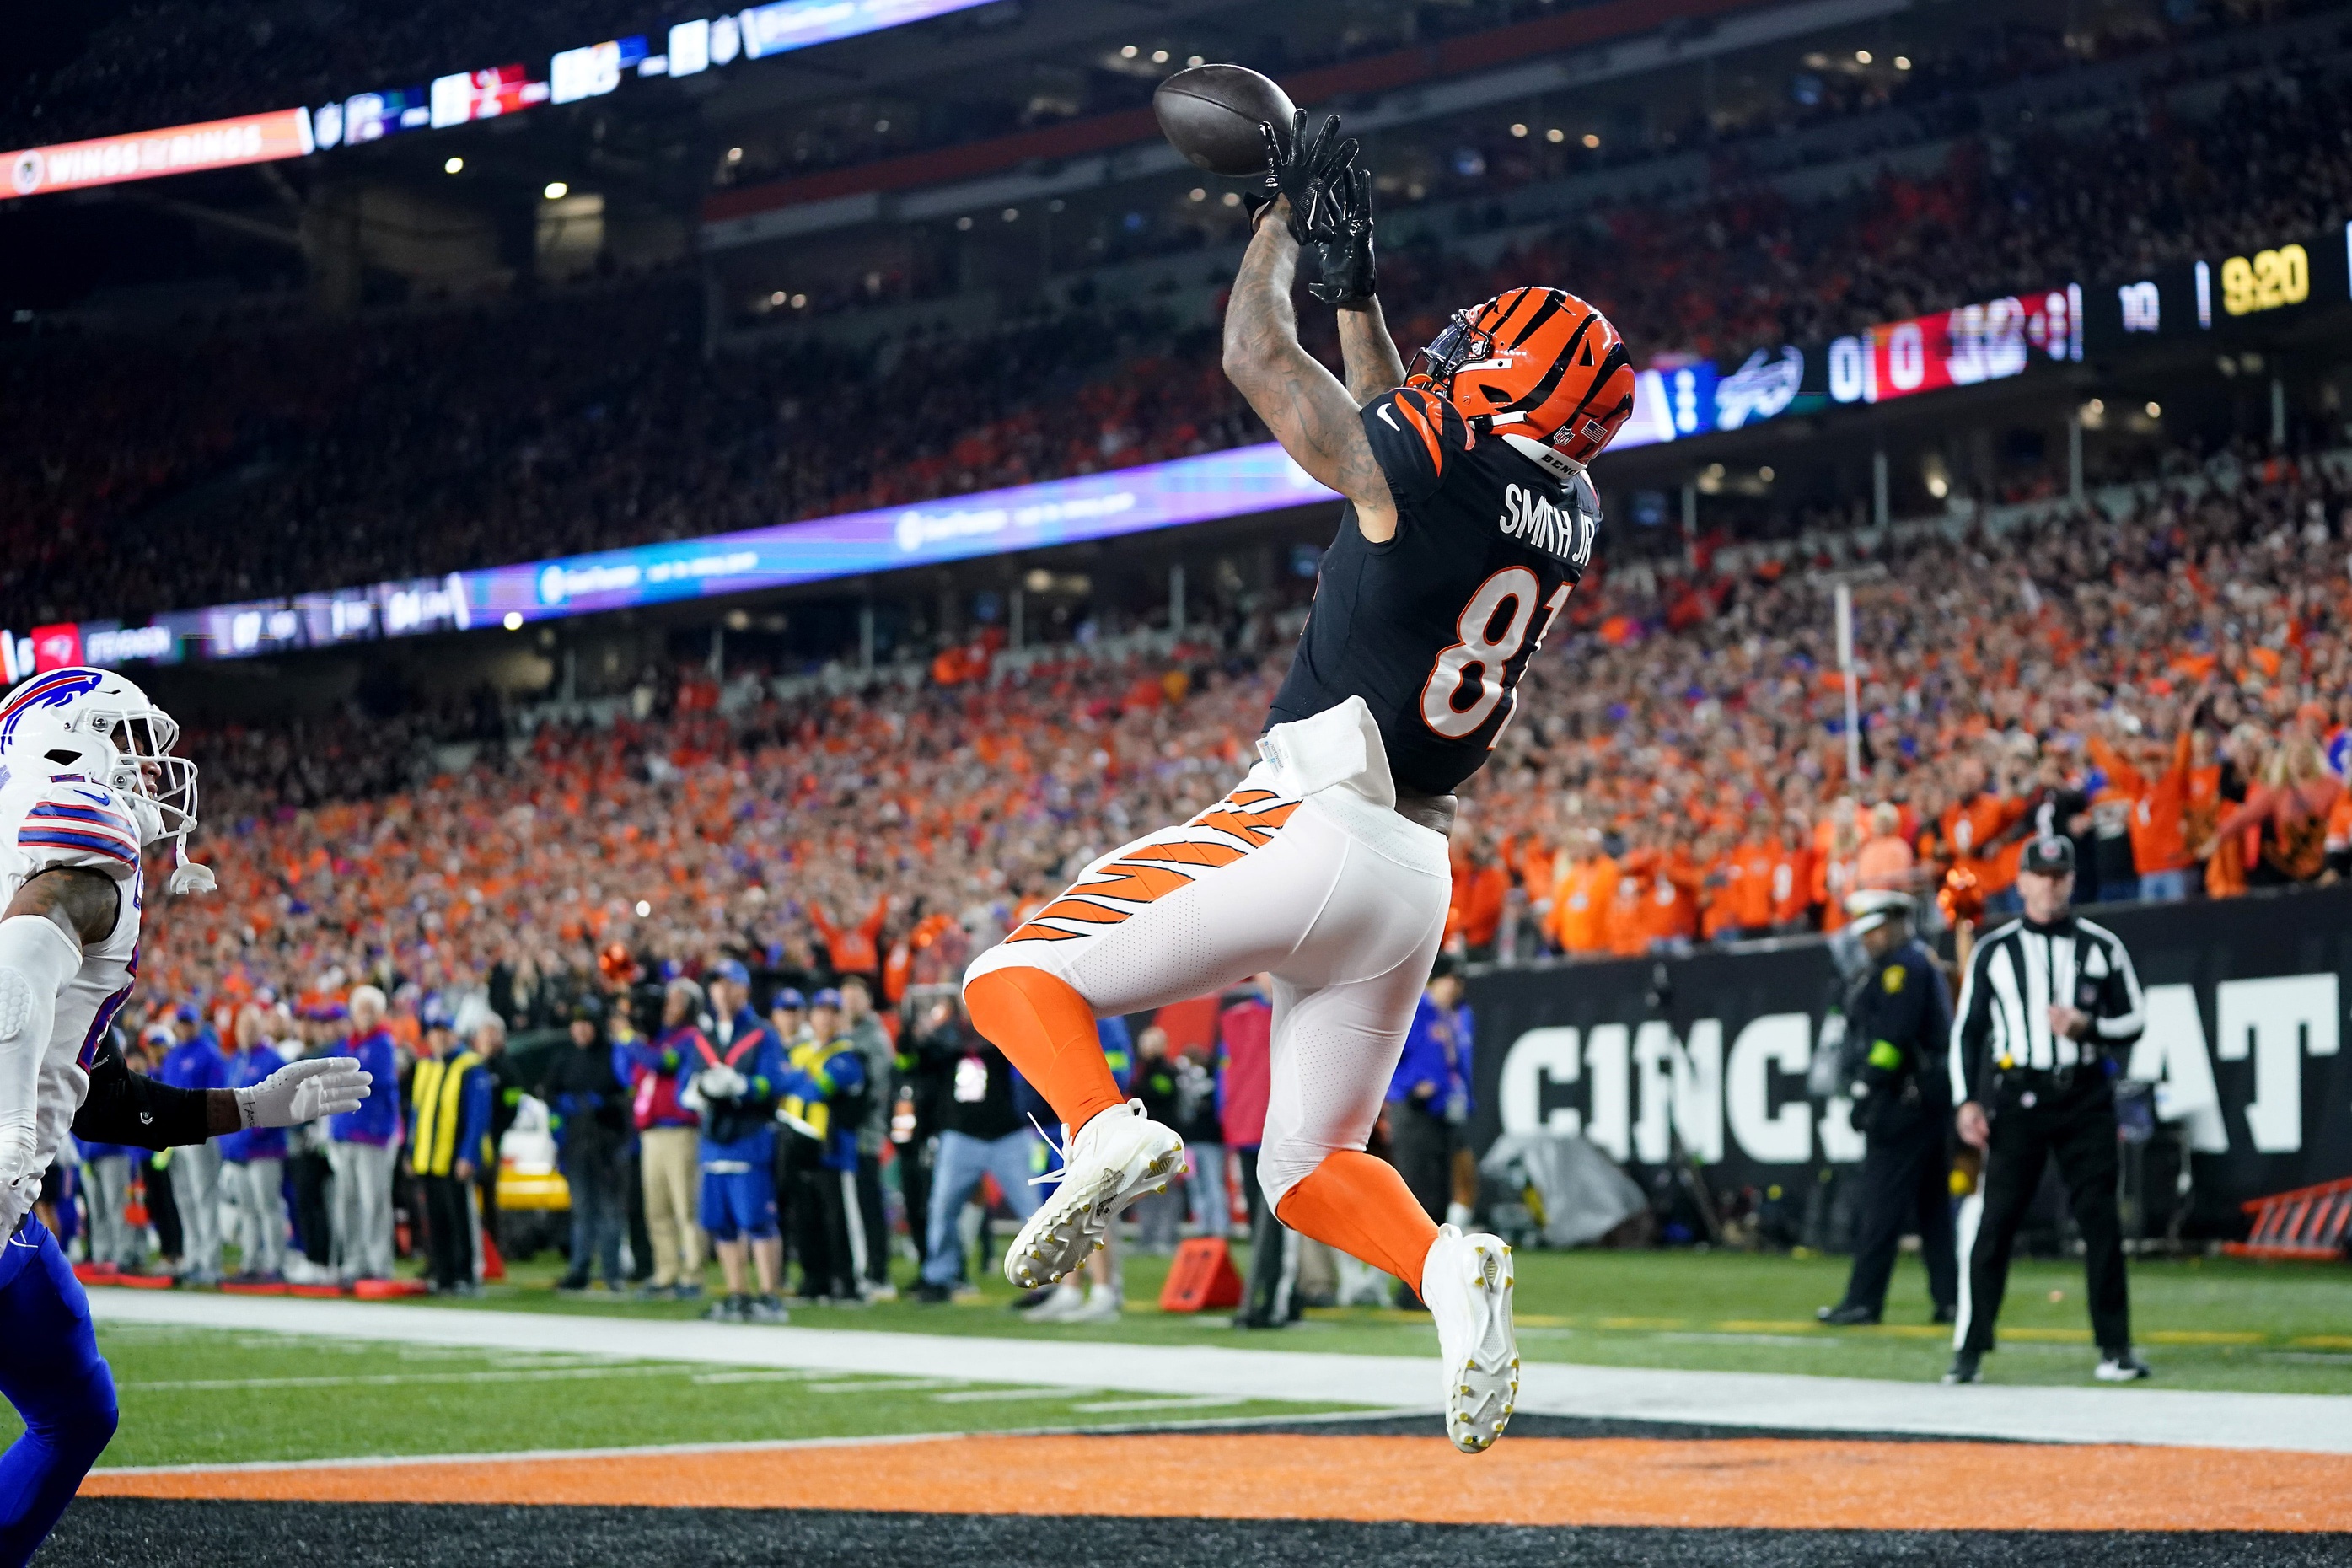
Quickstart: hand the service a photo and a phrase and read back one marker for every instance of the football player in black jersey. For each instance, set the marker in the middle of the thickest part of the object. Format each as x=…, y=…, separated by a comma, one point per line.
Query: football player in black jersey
x=1468, y=521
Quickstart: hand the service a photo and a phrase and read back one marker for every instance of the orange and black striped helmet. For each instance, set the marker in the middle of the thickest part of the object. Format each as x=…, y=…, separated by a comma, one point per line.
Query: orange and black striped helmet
x=1538, y=363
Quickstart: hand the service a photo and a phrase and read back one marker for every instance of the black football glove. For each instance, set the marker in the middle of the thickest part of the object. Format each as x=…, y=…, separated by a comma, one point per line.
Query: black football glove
x=1301, y=169
x=1340, y=229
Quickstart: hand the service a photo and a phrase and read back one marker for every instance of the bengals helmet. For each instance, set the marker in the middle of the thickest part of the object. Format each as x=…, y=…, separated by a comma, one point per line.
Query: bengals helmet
x=1538, y=363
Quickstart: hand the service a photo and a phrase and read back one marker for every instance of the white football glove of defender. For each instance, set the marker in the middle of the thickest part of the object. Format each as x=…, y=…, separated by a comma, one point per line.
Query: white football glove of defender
x=304, y=1091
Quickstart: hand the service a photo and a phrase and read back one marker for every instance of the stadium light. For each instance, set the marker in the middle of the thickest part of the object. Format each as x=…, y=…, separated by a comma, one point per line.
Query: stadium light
x=1903, y=62
x=2156, y=410
x=1130, y=52
x=1862, y=57
x=1196, y=59
x=556, y=191
x=1197, y=195
x=1518, y=129
x=1159, y=56
x=644, y=909
x=513, y=621
x=1555, y=136
x=1591, y=138
x=453, y=165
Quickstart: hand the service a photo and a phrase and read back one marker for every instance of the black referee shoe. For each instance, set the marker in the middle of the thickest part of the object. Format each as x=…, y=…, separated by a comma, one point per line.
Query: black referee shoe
x=1965, y=1367
x=1848, y=1315
x=2121, y=1367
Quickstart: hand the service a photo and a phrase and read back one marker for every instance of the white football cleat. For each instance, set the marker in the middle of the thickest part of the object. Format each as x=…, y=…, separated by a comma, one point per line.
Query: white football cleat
x=1466, y=1284
x=1113, y=1160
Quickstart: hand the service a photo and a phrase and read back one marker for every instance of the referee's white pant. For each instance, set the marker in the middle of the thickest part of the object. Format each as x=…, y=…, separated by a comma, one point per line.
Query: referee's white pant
x=1305, y=872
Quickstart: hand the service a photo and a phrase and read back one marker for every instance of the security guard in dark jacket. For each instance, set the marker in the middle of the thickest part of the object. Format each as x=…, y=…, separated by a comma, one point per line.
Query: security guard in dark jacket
x=2048, y=1005
x=1899, y=1019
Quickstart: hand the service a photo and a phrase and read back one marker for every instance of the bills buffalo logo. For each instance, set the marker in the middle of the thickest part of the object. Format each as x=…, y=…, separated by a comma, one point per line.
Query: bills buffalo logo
x=58, y=688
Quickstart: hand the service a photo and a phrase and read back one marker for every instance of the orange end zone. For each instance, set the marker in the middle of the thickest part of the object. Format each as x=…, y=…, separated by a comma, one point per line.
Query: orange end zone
x=1767, y=1483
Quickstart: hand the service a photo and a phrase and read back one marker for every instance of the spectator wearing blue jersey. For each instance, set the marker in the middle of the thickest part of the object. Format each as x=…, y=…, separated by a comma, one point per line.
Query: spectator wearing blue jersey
x=362, y=1148
x=196, y=1061
x=734, y=1080
x=253, y=1163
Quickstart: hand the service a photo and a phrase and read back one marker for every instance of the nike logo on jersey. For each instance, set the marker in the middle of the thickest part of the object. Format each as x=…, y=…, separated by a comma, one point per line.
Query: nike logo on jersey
x=100, y=796
x=1559, y=530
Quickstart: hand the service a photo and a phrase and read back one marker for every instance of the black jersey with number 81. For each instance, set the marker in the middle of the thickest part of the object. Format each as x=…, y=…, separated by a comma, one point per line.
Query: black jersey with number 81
x=1434, y=629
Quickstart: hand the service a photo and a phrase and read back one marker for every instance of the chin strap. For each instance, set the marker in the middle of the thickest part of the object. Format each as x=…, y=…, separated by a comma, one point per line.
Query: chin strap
x=189, y=876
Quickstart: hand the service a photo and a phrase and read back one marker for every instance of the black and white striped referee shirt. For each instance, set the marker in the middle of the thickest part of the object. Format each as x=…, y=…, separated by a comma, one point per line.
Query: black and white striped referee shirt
x=2002, y=1022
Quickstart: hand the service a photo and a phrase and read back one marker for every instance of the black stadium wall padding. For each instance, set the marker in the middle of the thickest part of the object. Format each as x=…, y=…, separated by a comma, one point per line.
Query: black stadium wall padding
x=2245, y=1002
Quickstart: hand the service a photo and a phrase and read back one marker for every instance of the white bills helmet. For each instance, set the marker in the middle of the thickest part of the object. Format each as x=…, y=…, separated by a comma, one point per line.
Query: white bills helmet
x=62, y=710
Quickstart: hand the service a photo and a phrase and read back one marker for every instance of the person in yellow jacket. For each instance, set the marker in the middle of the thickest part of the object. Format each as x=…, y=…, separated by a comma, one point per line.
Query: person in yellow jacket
x=449, y=1141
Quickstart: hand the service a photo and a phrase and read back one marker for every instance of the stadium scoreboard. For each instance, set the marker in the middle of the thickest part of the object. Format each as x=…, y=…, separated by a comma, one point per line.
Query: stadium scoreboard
x=2266, y=282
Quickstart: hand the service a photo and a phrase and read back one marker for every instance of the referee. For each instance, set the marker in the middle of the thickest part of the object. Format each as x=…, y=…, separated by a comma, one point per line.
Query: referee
x=2047, y=1001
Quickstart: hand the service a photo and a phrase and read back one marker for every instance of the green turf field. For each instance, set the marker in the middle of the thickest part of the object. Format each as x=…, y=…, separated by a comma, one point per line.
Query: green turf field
x=199, y=1396
x=2203, y=1322
x=204, y=1395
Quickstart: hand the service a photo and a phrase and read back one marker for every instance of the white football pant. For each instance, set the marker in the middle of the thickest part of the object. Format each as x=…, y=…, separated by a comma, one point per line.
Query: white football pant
x=1306, y=872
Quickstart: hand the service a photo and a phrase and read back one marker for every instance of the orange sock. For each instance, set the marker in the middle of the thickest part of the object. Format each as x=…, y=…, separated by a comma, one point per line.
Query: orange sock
x=1362, y=1206
x=1047, y=1030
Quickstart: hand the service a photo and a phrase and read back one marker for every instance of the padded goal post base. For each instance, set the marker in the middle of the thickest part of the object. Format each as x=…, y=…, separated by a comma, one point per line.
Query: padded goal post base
x=1202, y=1278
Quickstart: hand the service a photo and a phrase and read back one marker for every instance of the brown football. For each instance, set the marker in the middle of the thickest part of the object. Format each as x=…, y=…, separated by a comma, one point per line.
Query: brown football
x=1211, y=114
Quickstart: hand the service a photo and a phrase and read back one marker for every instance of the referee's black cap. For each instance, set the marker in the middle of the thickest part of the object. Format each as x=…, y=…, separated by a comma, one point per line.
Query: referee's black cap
x=2051, y=855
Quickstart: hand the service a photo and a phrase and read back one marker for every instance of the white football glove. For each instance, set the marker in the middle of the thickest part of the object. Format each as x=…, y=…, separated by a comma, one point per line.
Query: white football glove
x=304, y=1091
x=721, y=1083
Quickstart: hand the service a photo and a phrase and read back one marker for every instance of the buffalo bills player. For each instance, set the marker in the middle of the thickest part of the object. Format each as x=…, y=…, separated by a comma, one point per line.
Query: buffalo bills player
x=1469, y=519
x=86, y=784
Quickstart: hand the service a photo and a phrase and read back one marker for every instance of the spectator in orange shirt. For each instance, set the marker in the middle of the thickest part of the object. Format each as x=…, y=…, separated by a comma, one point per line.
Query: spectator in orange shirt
x=853, y=950
x=1792, y=876
x=1669, y=917
x=1749, y=880
x=1884, y=862
x=1480, y=884
x=1713, y=858
x=1584, y=888
x=2291, y=806
x=1837, y=846
x=1628, y=937
x=1974, y=826
x=2158, y=802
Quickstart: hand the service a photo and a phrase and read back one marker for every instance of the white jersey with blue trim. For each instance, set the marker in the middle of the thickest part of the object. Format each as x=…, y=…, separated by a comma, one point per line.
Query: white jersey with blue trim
x=61, y=821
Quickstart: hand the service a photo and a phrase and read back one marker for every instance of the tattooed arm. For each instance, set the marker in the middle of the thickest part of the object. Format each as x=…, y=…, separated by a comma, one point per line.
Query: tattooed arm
x=1368, y=352
x=1315, y=419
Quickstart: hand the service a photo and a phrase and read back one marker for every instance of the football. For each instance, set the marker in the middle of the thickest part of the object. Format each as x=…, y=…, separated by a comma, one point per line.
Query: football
x=1211, y=114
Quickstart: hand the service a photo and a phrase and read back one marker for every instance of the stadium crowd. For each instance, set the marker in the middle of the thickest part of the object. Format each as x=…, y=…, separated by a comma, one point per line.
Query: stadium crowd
x=2170, y=685
x=477, y=435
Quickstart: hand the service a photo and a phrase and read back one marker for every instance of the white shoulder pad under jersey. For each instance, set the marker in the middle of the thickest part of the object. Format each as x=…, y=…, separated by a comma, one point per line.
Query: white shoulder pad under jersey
x=66, y=821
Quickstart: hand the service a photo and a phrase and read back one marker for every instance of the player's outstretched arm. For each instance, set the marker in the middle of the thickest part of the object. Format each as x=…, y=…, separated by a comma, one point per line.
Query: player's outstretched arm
x=1368, y=352
x=1318, y=423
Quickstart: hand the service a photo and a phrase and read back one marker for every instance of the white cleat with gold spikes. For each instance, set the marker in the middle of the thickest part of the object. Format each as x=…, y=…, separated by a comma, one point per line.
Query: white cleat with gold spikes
x=1467, y=1283
x=1113, y=1160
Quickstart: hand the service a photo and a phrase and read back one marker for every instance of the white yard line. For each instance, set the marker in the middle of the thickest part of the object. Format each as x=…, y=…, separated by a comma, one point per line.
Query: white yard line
x=2175, y=1418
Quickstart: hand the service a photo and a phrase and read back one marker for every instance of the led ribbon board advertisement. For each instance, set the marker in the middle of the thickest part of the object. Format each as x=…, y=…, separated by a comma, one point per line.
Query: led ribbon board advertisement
x=1231, y=483
x=150, y=155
